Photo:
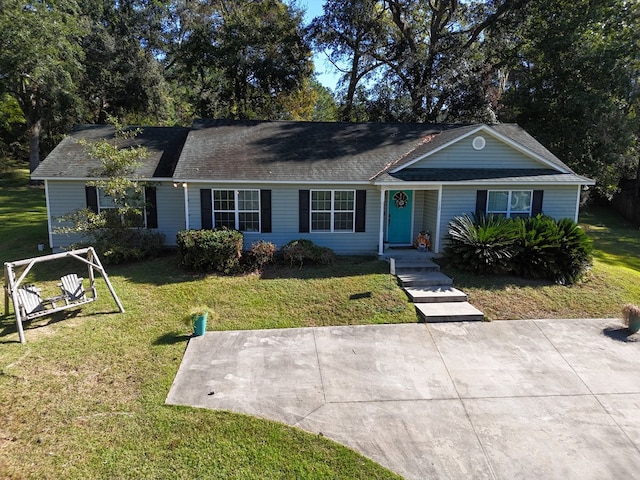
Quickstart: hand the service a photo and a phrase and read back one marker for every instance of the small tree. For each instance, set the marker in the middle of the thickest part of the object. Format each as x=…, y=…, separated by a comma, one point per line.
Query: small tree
x=117, y=233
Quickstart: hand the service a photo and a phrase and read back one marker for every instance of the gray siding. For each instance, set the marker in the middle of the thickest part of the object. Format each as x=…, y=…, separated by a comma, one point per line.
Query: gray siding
x=495, y=154
x=431, y=215
x=68, y=196
x=64, y=197
x=284, y=217
x=170, y=201
x=558, y=202
x=425, y=212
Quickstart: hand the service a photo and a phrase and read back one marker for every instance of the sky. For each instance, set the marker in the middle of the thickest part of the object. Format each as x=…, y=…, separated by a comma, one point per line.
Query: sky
x=325, y=72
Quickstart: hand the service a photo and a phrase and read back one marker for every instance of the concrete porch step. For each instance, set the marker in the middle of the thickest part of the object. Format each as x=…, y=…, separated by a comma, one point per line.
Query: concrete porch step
x=435, y=294
x=448, y=312
x=423, y=265
x=424, y=279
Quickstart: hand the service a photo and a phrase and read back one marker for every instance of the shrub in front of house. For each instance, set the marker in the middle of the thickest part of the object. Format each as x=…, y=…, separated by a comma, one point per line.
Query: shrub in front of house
x=122, y=245
x=302, y=251
x=576, y=250
x=260, y=254
x=483, y=244
x=537, y=247
x=210, y=250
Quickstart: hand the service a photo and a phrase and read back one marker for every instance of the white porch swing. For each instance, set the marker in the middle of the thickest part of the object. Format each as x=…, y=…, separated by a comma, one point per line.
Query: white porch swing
x=29, y=304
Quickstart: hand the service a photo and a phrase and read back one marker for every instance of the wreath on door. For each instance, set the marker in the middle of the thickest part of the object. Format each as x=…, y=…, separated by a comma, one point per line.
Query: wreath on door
x=401, y=199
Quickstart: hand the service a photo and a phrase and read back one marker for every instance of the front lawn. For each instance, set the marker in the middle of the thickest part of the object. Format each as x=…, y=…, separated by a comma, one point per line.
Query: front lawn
x=84, y=398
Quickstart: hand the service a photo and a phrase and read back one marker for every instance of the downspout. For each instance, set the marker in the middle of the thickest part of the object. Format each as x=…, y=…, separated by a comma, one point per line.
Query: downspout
x=50, y=228
x=185, y=187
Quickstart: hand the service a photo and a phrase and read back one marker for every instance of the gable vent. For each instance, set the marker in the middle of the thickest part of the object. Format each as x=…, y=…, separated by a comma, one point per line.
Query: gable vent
x=479, y=142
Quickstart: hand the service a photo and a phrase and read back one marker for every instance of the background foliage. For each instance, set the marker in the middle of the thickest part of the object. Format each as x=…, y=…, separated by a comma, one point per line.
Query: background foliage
x=568, y=72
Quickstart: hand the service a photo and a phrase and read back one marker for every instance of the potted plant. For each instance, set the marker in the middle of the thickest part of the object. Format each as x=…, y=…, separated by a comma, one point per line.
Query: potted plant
x=197, y=319
x=631, y=316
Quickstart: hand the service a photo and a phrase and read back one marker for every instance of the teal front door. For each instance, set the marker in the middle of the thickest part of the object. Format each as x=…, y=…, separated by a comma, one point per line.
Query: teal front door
x=399, y=221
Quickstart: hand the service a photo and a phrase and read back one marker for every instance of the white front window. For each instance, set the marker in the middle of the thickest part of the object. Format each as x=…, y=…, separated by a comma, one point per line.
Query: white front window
x=237, y=209
x=333, y=210
x=510, y=203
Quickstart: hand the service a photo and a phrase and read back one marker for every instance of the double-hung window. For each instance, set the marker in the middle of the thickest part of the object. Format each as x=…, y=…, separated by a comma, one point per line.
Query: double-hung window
x=510, y=203
x=237, y=209
x=134, y=217
x=333, y=210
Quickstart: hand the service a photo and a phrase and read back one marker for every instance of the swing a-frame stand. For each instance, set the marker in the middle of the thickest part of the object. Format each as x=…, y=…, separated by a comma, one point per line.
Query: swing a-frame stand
x=27, y=302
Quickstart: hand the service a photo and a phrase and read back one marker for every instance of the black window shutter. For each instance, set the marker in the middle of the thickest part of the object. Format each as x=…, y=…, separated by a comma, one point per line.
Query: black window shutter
x=151, y=207
x=91, y=193
x=481, y=203
x=536, y=204
x=303, y=210
x=361, y=210
x=206, y=209
x=265, y=210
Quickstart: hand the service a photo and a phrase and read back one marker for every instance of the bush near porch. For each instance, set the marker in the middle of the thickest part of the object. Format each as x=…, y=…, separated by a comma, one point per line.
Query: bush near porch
x=539, y=247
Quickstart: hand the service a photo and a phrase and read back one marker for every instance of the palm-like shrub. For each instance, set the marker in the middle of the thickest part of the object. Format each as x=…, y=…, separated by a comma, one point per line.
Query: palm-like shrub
x=483, y=244
x=538, y=247
x=575, y=252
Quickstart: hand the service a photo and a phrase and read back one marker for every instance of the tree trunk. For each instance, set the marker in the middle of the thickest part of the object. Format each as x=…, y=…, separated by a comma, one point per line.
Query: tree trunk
x=34, y=144
x=636, y=190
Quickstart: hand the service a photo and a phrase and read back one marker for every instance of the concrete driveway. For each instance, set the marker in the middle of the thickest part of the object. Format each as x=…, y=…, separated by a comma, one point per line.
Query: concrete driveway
x=534, y=399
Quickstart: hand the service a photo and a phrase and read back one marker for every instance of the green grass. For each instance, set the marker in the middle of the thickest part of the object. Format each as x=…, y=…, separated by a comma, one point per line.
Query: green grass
x=613, y=281
x=84, y=398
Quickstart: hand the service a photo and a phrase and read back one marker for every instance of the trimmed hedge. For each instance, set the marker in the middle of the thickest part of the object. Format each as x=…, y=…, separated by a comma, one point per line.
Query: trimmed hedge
x=536, y=247
x=304, y=251
x=210, y=250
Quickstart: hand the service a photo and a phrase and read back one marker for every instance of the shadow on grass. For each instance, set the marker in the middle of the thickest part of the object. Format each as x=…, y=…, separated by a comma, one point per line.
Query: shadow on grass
x=8, y=323
x=463, y=279
x=621, y=334
x=171, y=338
x=344, y=266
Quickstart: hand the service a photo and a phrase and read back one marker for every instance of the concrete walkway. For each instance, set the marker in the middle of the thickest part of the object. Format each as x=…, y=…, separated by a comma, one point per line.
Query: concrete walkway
x=543, y=399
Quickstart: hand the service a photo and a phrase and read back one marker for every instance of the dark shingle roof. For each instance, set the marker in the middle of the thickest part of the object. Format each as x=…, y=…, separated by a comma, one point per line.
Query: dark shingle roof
x=69, y=159
x=284, y=151
x=296, y=151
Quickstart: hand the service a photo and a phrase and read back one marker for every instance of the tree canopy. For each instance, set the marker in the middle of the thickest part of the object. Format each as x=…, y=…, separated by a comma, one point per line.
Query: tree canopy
x=568, y=72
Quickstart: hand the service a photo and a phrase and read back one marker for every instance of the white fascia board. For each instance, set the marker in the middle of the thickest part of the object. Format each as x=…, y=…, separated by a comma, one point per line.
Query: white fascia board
x=489, y=131
x=274, y=182
x=435, y=185
x=97, y=179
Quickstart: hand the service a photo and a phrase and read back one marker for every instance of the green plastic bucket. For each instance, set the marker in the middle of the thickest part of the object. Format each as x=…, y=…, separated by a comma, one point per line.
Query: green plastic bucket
x=199, y=324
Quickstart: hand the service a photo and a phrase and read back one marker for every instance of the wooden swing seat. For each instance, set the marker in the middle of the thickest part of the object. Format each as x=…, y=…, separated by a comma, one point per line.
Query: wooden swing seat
x=32, y=305
x=72, y=289
x=27, y=300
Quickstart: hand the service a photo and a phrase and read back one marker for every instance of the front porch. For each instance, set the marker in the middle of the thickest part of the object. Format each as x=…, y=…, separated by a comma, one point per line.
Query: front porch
x=408, y=216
